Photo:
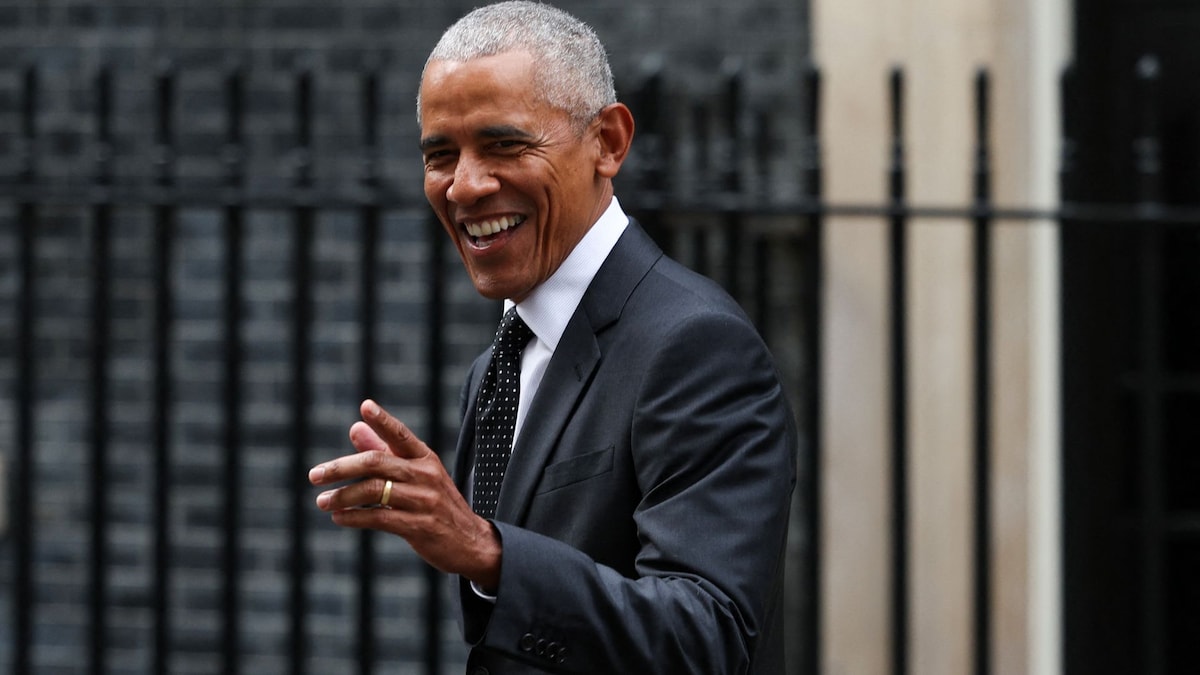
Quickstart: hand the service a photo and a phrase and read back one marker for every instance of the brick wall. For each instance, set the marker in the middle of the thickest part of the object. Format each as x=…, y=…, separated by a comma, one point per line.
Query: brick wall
x=67, y=40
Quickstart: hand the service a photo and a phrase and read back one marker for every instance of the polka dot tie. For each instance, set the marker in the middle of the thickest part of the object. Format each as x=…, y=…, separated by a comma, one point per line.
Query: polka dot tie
x=496, y=412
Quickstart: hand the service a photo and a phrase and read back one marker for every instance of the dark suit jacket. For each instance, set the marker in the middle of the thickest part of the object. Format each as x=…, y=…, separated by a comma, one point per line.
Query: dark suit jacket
x=644, y=512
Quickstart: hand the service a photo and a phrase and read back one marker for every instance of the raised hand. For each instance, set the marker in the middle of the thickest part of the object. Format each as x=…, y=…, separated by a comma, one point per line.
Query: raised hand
x=395, y=483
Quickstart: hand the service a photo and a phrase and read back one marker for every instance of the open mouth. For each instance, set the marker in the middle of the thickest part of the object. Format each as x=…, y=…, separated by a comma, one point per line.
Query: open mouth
x=484, y=231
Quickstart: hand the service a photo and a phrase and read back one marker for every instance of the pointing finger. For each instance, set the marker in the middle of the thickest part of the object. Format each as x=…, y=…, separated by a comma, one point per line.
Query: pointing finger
x=393, y=432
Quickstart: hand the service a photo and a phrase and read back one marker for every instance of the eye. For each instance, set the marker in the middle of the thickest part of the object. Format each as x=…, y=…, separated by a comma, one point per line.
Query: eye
x=437, y=157
x=509, y=145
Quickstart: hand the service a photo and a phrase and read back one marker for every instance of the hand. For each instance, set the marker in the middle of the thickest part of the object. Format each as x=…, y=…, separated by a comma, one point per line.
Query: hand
x=424, y=506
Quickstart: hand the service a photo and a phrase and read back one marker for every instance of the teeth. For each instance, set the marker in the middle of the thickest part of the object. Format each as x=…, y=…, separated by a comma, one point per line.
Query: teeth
x=490, y=227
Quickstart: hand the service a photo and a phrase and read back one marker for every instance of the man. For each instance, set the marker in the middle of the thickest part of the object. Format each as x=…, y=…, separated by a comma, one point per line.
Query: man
x=640, y=524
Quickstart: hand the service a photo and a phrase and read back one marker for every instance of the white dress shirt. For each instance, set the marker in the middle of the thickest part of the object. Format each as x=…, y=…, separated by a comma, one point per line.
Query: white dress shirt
x=549, y=306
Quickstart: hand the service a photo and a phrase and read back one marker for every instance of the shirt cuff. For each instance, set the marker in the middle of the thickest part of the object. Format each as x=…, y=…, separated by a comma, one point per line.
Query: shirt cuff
x=483, y=595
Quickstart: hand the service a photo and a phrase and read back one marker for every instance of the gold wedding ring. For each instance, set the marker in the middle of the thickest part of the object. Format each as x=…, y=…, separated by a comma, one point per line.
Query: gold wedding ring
x=387, y=494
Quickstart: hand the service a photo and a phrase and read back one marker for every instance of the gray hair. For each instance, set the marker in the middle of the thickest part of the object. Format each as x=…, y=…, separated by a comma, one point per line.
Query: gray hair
x=571, y=66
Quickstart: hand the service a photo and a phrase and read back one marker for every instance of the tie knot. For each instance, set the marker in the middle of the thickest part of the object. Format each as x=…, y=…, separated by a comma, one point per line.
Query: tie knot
x=513, y=334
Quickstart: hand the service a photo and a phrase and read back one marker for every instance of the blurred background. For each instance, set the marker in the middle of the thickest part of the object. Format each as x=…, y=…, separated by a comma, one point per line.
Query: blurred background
x=969, y=230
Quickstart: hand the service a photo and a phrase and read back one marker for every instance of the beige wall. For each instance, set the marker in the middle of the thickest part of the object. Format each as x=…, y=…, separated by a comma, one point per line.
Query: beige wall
x=940, y=44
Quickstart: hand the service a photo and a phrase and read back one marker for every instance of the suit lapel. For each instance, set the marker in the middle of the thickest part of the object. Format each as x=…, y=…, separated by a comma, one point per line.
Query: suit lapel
x=570, y=369
x=564, y=382
x=465, y=450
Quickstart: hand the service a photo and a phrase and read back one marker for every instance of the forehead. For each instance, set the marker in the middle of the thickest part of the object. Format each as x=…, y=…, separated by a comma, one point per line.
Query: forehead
x=505, y=69
x=457, y=92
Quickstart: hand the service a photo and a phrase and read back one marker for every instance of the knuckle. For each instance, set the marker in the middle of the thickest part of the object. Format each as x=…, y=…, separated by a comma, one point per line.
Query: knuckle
x=374, y=492
x=332, y=471
x=417, y=472
x=403, y=434
x=425, y=501
x=373, y=459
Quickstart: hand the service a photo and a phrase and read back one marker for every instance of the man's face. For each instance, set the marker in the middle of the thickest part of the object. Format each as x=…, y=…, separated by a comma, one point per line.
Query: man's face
x=513, y=182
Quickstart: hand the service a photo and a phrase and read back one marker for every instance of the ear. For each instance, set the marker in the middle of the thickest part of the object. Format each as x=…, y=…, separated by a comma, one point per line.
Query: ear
x=615, y=134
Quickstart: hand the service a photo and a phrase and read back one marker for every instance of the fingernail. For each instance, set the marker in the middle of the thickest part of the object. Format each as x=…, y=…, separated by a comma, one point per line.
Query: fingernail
x=316, y=474
x=372, y=409
x=323, y=500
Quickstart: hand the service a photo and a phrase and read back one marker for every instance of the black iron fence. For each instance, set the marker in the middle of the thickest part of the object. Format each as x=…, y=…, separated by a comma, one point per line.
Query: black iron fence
x=107, y=204
x=365, y=245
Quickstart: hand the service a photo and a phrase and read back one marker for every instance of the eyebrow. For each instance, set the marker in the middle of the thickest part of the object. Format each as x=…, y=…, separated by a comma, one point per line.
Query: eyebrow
x=489, y=132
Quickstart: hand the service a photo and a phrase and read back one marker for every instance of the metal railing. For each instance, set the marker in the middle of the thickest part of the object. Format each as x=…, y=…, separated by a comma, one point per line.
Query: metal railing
x=717, y=229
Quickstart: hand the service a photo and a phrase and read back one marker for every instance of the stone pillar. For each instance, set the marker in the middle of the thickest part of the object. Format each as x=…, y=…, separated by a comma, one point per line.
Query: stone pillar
x=940, y=44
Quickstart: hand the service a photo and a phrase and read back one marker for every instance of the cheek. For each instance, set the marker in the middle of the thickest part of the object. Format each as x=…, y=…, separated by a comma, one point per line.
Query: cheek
x=435, y=194
x=434, y=190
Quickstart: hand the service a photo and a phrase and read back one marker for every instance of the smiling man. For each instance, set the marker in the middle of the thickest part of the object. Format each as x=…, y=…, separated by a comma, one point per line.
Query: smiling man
x=516, y=180
x=624, y=470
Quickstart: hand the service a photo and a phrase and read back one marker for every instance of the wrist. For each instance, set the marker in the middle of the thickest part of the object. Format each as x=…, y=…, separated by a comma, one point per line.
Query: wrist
x=489, y=553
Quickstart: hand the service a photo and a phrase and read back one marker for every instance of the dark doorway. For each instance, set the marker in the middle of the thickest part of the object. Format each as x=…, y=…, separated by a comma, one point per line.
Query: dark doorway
x=1131, y=341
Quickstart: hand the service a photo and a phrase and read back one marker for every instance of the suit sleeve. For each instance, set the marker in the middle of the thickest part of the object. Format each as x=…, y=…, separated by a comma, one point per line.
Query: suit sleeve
x=713, y=443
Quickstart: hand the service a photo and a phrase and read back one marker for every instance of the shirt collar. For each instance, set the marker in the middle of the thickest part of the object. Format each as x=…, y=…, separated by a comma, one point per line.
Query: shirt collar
x=548, y=308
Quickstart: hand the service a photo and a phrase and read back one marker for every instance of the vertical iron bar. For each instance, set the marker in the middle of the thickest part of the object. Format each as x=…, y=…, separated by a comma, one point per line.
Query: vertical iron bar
x=301, y=432
x=300, y=404
x=231, y=559
x=1153, y=520
x=29, y=103
x=1147, y=156
x=983, y=402
x=812, y=174
x=22, y=504
x=760, y=271
x=1066, y=226
x=98, y=423
x=163, y=316
x=702, y=182
x=1068, y=160
x=731, y=181
x=899, y=381
x=368, y=265
x=437, y=365
x=1147, y=146
x=234, y=154
x=652, y=153
x=760, y=288
x=232, y=442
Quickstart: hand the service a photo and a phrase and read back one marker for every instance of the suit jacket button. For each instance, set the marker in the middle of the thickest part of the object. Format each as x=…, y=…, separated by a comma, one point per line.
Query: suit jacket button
x=560, y=654
x=527, y=643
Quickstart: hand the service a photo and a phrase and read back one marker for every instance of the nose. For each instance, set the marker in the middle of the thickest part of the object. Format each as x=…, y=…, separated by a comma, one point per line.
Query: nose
x=473, y=181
